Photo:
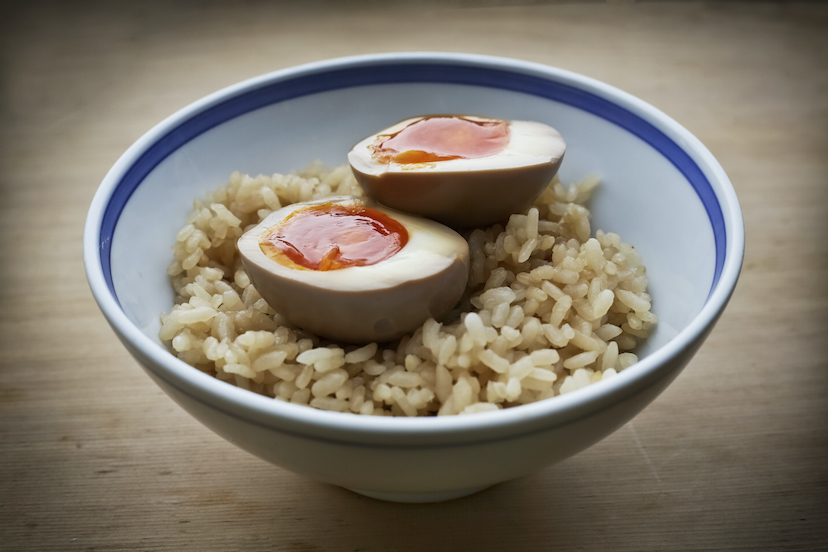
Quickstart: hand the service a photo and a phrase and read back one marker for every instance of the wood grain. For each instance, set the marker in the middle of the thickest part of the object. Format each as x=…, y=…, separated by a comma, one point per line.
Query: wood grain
x=733, y=456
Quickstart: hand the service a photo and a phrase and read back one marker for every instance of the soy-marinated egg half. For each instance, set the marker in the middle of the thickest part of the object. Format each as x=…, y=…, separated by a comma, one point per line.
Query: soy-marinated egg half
x=352, y=271
x=462, y=171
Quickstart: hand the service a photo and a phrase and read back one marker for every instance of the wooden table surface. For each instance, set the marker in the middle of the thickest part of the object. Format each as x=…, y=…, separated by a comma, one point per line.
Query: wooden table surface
x=733, y=456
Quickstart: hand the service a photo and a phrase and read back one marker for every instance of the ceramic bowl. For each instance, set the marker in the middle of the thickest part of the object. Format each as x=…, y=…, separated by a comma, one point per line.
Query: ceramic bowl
x=661, y=190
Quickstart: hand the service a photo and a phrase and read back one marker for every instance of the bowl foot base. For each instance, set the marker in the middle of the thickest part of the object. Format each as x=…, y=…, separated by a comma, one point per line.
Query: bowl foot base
x=437, y=496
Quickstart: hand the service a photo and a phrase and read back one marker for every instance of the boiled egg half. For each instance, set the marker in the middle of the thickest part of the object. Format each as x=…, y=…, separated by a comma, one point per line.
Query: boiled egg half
x=352, y=271
x=463, y=171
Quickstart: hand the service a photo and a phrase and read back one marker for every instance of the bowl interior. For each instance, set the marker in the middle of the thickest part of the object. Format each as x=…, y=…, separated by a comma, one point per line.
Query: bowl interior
x=272, y=125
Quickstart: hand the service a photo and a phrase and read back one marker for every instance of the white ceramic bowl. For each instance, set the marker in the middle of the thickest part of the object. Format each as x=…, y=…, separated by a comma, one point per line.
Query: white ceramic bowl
x=662, y=191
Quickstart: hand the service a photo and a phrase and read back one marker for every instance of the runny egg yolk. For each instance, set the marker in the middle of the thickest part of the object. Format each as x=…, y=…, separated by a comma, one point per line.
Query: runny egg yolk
x=330, y=237
x=442, y=138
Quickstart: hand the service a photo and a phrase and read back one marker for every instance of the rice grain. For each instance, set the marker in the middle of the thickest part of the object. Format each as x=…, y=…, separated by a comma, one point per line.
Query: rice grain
x=548, y=310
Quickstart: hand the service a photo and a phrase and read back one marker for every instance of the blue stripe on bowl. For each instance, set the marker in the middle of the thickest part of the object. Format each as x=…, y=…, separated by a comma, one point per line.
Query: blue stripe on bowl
x=434, y=72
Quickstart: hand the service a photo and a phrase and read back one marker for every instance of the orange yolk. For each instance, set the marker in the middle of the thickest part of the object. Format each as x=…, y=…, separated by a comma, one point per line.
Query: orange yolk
x=443, y=138
x=330, y=237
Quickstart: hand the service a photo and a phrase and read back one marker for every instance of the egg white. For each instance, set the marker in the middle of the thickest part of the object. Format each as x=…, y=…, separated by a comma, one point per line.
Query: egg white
x=530, y=143
x=360, y=304
x=430, y=249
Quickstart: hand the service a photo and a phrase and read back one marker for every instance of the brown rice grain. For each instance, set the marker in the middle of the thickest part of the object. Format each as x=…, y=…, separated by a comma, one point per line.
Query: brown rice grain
x=543, y=297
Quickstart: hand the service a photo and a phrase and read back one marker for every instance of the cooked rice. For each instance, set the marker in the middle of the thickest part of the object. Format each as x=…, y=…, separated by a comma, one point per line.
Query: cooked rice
x=548, y=310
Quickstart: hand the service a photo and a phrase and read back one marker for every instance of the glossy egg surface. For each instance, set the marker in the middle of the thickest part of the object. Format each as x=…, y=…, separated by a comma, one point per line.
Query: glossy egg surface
x=324, y=291
x=463, y=171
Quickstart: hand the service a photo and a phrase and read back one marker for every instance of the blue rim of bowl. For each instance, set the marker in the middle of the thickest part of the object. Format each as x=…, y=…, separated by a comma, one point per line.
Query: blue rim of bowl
x=442, y=72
